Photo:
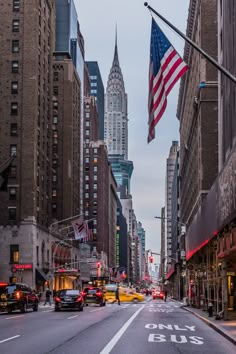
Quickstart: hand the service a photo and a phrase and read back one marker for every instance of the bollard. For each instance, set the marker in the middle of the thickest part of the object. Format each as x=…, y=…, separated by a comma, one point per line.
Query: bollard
x=210, y=310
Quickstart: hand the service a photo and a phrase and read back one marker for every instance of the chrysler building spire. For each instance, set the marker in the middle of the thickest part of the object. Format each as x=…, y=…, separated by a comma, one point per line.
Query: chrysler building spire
x=116, y=122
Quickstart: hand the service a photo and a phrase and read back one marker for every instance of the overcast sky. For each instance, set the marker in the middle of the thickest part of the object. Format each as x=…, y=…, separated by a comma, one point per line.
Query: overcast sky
x=98, y=20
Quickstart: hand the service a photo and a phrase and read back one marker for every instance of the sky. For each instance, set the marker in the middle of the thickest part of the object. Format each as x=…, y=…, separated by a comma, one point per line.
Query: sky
x=98, y=19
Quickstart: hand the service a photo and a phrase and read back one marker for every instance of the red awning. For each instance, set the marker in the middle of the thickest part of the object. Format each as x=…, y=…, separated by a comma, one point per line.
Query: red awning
x=170, y=273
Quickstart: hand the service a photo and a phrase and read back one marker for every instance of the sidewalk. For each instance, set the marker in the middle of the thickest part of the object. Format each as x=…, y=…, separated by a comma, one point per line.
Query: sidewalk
x=226, y=328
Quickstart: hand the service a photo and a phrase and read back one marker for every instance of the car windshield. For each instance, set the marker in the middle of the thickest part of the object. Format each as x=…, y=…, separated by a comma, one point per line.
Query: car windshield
x=69, y=292
x=10, y=289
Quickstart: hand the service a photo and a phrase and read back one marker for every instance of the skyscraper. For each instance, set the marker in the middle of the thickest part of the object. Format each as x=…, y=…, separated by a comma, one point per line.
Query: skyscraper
x=97, y=90
x=116, y=120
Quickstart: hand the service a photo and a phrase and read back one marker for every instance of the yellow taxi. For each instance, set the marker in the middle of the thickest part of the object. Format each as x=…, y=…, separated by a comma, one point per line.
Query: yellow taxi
x=126, y=294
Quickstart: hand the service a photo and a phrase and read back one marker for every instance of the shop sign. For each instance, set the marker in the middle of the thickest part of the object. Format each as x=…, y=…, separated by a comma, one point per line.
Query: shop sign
x=231, y=273
x=23, y=266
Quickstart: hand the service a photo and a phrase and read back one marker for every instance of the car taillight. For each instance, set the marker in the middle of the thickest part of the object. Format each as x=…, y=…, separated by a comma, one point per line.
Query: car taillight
x=99, y=293
x=17, y=295
x=83, y=293
x=79, y=299
x=57, y=299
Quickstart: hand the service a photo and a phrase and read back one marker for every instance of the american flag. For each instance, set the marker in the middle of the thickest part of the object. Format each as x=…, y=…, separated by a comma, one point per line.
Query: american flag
x=166, y=67
x=82, y=231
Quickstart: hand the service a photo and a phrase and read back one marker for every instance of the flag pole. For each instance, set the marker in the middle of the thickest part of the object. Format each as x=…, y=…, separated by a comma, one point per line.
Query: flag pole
x=194, y=45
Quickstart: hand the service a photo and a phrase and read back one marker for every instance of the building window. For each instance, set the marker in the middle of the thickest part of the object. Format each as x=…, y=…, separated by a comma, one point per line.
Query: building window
x=13, y=149
x=95, y=177
x=54, y=178
x=54, y=162
x=86, y=213
x=15, y=46
x=95, y=168
x=55, y=76
x=93, y=84
x=95, y=151
x=12, y=171
x=86, y=151
x=55, y=119
x=95, y=160
x=87, y=195
x=54, y=193
x=54, y=206
x=87, y=186
x=87, y=132
x=12, y=213
x=55, y=104
x=14, y=254
x=55, y=90
x=95, y=186
x=94, y=231
x=13, y=129
x=14, y=108
x=12, y=193
x=87, y=178
x=87, y=115
x=15, y=25
x=16, y=5
x=15, y=66
x=95, y=195
x=87, y=141
x=93, y=92
x=87, y=159
x=14, y=87
x=87, y=123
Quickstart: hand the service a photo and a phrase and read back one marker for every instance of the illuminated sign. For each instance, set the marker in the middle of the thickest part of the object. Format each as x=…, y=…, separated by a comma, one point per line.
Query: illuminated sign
x=23, y=266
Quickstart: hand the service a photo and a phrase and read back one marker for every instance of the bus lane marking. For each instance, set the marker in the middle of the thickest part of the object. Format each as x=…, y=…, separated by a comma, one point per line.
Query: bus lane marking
x=108, y=348
x=158, y=338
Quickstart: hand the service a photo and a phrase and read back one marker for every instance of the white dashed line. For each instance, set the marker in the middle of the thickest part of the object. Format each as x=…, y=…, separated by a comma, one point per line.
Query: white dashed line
x=12, y=317
x=69, y=318
x=7, y=339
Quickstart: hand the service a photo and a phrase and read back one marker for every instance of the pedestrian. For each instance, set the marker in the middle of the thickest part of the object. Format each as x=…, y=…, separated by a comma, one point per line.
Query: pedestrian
x=165, y=295
x=118, y=294
x=48, y=297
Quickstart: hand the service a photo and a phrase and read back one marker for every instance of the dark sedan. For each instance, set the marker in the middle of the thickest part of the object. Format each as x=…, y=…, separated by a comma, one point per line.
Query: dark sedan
x=69, y=299
x=94, y=295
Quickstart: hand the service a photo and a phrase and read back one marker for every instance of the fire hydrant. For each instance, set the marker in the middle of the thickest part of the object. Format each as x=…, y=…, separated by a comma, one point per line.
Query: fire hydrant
x=210, y=309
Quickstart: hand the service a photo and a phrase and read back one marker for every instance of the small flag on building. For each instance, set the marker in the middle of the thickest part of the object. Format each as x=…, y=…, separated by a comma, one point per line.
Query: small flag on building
x=166, y=67
x=80, y=228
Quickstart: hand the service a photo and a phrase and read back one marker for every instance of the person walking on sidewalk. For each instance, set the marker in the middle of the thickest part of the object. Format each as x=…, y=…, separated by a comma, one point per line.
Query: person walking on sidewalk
x=48, y=297
x=118, y=294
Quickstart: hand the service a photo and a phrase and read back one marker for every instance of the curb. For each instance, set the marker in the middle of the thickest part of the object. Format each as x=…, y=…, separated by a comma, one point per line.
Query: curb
x=212, y=325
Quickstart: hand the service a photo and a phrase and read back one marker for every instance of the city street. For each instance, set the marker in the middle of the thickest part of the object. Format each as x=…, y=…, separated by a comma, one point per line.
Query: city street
x=149, y=327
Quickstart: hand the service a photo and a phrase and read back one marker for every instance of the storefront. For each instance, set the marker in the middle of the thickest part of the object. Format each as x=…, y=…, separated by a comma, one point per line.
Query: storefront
x=66, y=279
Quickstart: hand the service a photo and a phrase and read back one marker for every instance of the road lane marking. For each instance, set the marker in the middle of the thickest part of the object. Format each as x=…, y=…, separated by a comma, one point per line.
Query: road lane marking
x=48, y=311
x=7, y=339
x=12, y=317
x=102, y=308
x=108, y=348
x=69, y=318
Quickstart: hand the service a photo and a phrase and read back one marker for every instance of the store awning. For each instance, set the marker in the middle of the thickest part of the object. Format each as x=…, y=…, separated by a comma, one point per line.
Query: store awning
x=170, y=273
x=40, y=275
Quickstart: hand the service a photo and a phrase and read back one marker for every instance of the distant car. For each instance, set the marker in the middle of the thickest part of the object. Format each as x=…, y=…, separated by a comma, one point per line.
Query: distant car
x=94, y=295
x=157, y=294
x=18, y=296
x=69, y=299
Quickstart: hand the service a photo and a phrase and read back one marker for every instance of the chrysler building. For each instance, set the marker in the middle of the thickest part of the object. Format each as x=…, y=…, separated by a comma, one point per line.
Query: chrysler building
x=115, y=120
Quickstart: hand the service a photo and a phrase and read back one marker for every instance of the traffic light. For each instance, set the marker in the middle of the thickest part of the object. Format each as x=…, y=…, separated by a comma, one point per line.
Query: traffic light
x=151, y=259
x=98, y=264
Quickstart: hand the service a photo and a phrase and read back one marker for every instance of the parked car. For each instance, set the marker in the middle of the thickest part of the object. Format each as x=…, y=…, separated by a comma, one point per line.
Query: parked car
x=69, y=299
x=157, y=294
x=94, y=295
x=18, y=296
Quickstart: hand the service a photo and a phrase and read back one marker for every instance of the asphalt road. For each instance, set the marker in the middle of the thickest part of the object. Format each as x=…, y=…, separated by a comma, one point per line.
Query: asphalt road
x=150, y=327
